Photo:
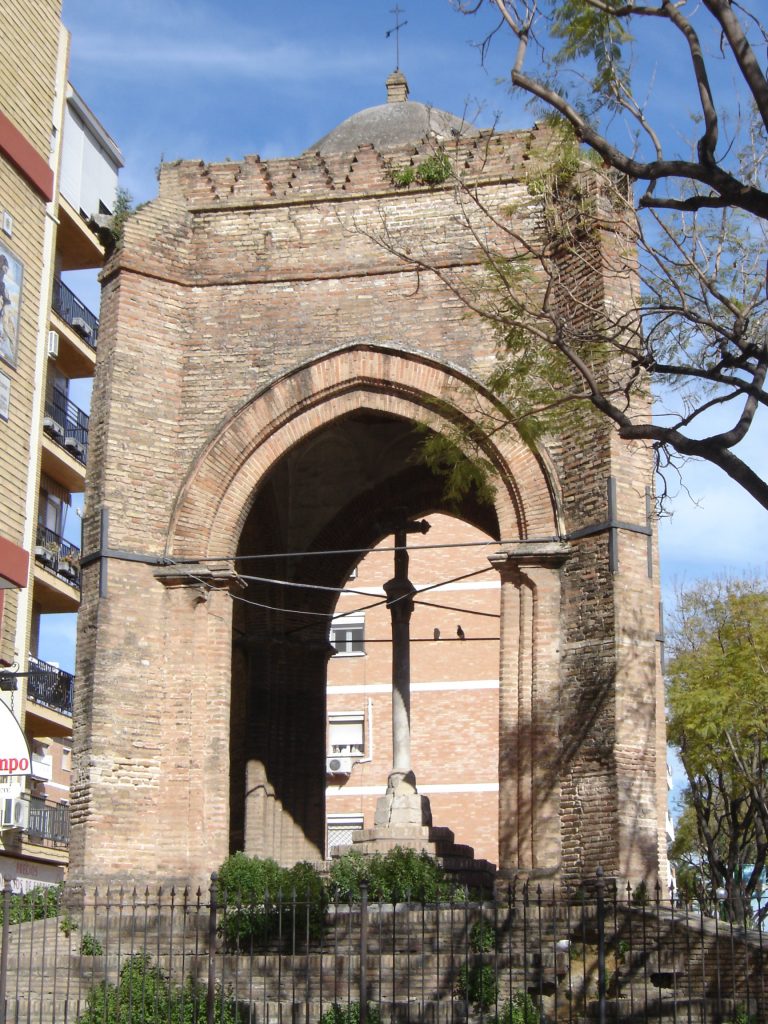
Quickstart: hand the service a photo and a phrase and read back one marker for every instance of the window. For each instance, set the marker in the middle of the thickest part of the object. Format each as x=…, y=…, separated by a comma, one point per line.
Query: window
x=348, y=634
x=340, y=828
x=346, y=733
x=53, y=505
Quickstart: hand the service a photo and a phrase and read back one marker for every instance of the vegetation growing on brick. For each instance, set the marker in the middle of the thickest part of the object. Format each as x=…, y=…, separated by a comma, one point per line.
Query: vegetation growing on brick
x=435, y=170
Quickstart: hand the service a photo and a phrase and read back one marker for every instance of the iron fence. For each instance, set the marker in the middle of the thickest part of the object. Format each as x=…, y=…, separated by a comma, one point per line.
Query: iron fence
x=49, y=685
x=527, y=958
x=67, y=424
x=75, y=313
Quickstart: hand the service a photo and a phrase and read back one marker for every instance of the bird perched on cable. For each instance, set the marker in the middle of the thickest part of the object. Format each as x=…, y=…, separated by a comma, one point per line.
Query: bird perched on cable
x=436, y=633
x=460, y=633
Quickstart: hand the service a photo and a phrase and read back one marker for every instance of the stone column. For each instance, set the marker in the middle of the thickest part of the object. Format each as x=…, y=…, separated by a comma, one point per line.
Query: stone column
x=400, y=591
x=529, y=742
x=402, y=804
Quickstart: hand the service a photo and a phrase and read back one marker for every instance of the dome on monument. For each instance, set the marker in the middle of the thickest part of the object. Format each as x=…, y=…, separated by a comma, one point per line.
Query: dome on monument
x=393, y=124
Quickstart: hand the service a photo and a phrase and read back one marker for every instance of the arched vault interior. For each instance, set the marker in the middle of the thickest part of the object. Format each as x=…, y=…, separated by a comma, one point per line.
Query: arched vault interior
x=326, y=501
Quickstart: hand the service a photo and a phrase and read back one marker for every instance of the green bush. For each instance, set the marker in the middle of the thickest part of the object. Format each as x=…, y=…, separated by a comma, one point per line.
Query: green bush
x=477, y=982
x=434, y=170
x=144, y=995
x=42, y=901
x=521, y=1009
x=304, y=884
x=261, y=901
x=640, y=897
x=477, y=985
x=402, y=177
x=347, y=873
x=67, y=924
x=350, y=1014
x=90, y=945
x=400, y=875
x=248, y=890
x=482, y=937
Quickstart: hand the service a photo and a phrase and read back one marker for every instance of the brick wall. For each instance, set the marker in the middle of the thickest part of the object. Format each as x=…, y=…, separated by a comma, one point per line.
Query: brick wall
x=263, y=355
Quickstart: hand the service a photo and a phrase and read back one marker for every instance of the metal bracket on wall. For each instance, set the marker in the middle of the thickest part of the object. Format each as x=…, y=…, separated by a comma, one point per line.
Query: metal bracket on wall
x=661, y=638
x=612, y=525
x=105, y=552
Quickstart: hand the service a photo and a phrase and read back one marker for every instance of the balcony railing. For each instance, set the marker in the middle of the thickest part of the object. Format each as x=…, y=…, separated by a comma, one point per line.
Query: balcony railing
x=67, y=424
x=50, y=686
x=58, y=555
x=48, y=821
x=75, y=313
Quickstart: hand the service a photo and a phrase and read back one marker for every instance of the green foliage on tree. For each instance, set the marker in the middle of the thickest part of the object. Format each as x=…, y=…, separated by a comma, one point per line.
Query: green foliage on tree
x=718, y=721
x=144, y=995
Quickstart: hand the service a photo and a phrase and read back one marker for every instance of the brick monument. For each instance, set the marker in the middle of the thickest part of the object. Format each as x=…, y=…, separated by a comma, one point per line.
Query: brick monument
x=264, y=362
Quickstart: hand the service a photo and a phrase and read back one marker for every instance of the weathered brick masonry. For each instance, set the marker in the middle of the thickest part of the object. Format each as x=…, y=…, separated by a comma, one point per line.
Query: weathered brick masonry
x=263, y=358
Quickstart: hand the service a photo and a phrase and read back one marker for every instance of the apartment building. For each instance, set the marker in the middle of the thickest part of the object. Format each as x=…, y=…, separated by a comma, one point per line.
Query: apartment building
x=58, y=183
x=454, y=687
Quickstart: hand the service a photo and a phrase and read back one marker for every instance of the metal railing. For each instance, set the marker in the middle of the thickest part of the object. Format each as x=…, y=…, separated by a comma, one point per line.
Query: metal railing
x=59, y=556
x=67, y=424
x=48, y=821
x=181, y=956
x=50, y=686
x=75, y=313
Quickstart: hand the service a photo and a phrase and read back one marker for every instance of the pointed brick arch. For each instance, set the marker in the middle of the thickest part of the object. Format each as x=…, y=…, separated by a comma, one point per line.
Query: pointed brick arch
x=216, y=497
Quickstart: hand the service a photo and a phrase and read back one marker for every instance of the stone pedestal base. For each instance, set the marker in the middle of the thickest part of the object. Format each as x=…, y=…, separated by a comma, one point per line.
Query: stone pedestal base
x=395, y=809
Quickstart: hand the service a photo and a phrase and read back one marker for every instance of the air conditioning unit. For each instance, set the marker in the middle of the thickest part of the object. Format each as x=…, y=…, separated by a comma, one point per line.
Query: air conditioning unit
x=336, y=765
x=16, y=813
x=83, y=329
x=53, y=344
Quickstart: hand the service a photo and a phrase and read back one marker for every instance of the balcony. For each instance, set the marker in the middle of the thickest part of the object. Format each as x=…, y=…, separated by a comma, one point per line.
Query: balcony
x=67, y=425
x=75, y=313
x=48, y=822
x=50, y=687
x=58, y=556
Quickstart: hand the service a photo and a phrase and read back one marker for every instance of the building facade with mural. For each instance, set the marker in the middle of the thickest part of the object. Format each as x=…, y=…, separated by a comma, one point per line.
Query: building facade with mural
x=58, y=175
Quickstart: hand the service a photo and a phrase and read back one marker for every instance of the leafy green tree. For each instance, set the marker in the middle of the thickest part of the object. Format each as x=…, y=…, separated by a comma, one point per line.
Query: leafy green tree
x=697, y=327
x=718, y=721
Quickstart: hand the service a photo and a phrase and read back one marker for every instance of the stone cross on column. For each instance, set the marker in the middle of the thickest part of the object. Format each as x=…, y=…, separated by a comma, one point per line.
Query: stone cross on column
x=401, y=783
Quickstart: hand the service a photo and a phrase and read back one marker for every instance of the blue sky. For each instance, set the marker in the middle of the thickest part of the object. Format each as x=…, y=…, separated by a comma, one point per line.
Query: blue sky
x=216, y=79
